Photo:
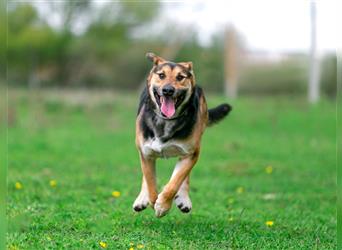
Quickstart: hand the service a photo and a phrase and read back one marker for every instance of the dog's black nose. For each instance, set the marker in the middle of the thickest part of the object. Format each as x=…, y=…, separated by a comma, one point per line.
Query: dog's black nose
x=168, y=90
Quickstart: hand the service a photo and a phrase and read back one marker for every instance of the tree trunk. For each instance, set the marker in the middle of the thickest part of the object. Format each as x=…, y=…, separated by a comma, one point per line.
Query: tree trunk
x=231, y=63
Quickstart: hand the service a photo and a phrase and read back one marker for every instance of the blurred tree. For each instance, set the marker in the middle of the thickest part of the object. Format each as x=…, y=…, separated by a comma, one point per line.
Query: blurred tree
x=208, y=61
x=31, y=44
x=98, y=56
x=112, y=51
x=21, y=15
x=70, y=12
x=134, y=14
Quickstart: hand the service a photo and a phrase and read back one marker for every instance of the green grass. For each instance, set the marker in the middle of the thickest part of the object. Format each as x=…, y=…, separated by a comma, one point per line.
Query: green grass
x=86, y=144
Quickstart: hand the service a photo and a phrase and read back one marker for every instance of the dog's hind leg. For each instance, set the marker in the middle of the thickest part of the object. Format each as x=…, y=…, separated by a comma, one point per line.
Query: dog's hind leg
x=181, y=172
x=148, y=193
x=182, y=198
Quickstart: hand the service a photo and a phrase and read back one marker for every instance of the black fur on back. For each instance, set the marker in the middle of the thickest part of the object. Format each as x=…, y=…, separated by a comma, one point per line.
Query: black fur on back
x=218, y=113
x=179, y=128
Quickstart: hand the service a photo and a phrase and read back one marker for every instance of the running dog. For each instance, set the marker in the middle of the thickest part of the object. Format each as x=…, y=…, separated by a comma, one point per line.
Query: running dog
x=172, y=117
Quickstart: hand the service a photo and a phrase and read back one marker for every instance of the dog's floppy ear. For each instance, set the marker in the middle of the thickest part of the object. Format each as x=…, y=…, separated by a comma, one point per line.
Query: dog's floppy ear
x=155, y=59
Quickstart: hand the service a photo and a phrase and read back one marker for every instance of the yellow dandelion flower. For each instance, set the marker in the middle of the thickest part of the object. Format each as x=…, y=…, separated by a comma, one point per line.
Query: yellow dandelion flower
x=140, y=246
x=116, y=194
x=269, y=169
x=13, y=247
x=103, y=244
x=230, y=200
x=230, y=219
x=131, y=248
x=53, y=183
x=269, y=223
x=240, y=190
x=18, y=185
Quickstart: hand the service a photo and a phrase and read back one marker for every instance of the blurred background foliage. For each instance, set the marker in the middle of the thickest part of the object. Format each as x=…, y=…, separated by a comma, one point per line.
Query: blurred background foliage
x=109, y=51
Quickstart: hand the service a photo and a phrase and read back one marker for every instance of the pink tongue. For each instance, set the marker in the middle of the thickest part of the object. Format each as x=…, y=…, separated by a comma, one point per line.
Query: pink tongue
x=168, y=107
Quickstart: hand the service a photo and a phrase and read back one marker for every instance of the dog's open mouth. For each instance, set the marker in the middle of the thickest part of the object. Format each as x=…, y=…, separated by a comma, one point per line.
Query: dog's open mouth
x=167, y=104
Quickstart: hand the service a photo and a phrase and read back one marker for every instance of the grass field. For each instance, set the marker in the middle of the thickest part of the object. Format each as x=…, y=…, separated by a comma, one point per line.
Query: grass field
x=271, y=160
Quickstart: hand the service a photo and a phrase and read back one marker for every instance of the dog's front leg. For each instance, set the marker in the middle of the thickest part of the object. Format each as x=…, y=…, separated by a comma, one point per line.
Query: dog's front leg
x=182, y=198
x=143, y=199
x=148, y=193
x=181, y=172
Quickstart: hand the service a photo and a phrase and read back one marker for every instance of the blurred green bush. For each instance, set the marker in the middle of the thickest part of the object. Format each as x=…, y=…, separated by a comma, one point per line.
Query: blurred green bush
x=329, y=75
x=288, y=76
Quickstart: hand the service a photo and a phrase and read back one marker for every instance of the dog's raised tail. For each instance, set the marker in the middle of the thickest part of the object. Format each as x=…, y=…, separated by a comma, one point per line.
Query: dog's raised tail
x=218, y=113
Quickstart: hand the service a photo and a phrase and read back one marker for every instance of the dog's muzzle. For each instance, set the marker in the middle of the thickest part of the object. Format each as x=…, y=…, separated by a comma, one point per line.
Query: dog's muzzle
x=169, y=99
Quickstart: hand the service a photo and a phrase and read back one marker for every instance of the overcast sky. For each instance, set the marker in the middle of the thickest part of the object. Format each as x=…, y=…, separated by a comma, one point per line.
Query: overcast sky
x=265, y=24
x=271, y=25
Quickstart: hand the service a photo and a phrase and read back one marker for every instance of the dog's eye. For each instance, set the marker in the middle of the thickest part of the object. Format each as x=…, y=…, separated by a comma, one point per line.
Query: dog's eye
x=161, y=76
x=180, y=78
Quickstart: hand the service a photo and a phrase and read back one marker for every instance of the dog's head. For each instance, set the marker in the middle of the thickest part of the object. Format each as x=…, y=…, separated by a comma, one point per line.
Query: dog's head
x=170, y=85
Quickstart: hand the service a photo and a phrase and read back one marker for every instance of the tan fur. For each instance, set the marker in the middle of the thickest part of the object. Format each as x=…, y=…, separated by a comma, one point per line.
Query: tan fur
x=170, y=77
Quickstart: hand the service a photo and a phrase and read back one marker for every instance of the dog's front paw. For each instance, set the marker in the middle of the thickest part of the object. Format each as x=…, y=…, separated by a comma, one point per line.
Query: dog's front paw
x=162, y=206
x=183, y=202
x=141, y=202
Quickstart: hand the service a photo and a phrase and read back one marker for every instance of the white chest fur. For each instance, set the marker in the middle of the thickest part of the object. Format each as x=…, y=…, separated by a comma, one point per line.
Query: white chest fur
x=154, y=147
